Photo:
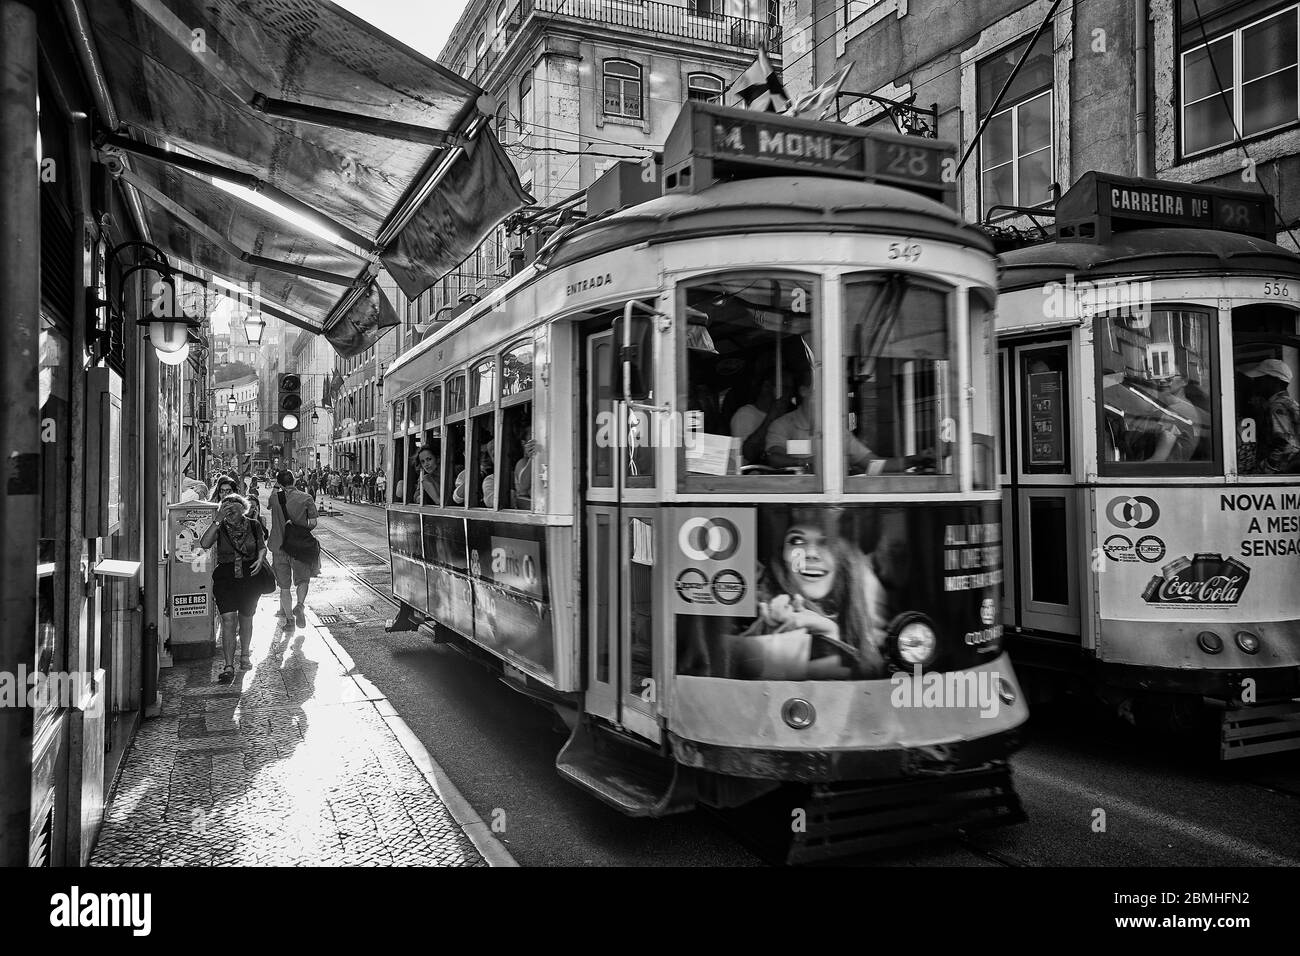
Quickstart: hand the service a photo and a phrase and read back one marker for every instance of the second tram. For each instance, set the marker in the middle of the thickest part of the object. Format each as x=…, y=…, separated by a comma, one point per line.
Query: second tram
x=1149, y=360
x=715, y=478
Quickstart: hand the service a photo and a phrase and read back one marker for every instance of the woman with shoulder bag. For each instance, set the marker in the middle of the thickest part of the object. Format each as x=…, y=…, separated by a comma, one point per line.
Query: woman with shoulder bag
x=240, y=578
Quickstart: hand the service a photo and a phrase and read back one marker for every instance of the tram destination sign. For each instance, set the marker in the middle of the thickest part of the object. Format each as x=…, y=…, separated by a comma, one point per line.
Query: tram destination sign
x=712, y=143
x=1117, y=204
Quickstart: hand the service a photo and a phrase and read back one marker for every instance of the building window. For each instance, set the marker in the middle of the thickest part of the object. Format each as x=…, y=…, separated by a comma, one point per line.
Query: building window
x=525, y=105
x=704, y=87
x=622, y=89
x=1243, y=79
x=1017, y=163
x=855, y=8
x=706, y=8
x=480, y=48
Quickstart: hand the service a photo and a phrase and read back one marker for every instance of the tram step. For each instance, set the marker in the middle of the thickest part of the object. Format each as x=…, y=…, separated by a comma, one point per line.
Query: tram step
x=1251, y=731
x=629, y=780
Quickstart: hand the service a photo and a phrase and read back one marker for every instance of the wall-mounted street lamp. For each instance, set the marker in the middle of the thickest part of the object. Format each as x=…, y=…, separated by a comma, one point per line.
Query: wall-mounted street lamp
x=230, y=403
x=314, y=416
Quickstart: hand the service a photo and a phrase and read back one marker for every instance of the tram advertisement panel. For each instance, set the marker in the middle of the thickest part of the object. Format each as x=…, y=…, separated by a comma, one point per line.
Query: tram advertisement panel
x=1201, y=554
x=487, y=580
x=512, y=608
x=407, y=552
x=450, y=596
x=781, y=592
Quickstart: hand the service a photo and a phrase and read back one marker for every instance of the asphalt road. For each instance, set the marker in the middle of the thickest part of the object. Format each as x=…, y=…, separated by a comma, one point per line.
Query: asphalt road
x=1096, y=793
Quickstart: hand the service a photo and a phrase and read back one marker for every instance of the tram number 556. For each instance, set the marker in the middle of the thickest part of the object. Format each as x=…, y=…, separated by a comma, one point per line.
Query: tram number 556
x=1276, y=289
x=908, y=251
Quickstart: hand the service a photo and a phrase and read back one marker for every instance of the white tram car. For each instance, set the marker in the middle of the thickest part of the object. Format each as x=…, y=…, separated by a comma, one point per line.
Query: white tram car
x=714, y=477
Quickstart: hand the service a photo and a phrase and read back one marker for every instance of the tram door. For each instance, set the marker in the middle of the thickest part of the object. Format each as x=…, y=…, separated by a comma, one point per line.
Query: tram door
x=1039, y=498
x=621, y=550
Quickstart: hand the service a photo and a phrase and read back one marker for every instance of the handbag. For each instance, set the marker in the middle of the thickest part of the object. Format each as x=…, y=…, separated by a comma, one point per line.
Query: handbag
x=298, y=542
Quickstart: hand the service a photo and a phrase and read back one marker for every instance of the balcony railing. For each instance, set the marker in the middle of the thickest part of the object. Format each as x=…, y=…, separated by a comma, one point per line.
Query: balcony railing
x=664, y=19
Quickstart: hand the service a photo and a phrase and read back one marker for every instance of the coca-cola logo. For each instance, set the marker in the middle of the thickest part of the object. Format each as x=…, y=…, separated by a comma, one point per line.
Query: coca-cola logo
x=1206, y=580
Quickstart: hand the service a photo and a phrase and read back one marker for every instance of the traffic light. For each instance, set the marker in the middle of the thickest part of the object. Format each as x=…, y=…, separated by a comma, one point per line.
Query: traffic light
x=290, y=401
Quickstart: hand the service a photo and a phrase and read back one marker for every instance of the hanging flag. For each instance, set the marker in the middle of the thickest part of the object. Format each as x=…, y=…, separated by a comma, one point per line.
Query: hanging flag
x=820, y=100
x=759, y=87
x=332, y=386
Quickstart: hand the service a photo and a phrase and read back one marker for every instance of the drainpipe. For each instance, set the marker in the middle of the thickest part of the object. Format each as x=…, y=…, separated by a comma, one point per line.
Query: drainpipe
x=20, y=443
x=1141, y=91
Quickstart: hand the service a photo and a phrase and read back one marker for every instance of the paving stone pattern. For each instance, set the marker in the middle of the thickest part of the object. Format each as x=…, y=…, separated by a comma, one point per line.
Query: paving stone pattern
x=292, y=764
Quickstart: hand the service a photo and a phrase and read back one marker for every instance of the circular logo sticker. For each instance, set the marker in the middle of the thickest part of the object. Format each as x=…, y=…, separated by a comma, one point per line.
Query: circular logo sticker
x=708, y=539
x=728, y=587
x=1150, y=549
x=1118, y=547
x=1137, y=512
x=692, y=586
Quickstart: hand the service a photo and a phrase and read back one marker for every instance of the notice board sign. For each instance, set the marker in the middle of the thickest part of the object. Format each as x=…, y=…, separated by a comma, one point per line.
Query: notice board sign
x=1046, y=419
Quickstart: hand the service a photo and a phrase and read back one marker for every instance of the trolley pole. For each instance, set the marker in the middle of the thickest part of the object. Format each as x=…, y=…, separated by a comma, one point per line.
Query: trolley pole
x=20, y=447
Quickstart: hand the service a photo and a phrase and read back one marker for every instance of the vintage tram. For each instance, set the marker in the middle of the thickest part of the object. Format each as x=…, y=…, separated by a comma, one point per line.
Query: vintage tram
x=714, y=477
x=1149, y=359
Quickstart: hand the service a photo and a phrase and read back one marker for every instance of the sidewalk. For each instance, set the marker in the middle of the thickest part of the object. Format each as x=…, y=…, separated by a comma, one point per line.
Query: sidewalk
x=296, y=763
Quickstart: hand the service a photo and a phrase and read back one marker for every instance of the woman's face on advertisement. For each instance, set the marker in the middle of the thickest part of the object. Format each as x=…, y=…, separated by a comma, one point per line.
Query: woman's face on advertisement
x=810, y=560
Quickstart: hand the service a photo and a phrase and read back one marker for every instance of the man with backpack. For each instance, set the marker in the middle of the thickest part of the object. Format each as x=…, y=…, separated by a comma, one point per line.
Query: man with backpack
x=296, y=551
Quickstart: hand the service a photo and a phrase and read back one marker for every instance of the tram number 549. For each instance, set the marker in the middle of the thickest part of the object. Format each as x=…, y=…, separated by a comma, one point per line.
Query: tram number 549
x=908, y=251
x=1275, y=289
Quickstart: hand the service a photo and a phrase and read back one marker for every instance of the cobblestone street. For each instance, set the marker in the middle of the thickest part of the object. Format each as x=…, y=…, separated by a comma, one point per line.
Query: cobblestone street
x=297, y=762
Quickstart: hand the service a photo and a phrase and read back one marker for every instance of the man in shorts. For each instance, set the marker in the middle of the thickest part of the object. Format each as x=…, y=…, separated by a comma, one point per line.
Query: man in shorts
x=289, y=571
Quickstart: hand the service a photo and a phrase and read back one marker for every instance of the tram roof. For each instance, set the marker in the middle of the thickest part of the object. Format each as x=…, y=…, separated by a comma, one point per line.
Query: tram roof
x=1146, y=252
x=771, y=204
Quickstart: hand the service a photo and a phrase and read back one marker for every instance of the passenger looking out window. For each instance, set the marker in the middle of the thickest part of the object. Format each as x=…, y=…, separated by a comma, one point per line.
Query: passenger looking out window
x=1267, y=396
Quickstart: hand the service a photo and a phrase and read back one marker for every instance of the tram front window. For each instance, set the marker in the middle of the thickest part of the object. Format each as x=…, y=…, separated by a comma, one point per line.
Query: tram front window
x=1266, y=365
x=897, y=370
x=1153, y=385
x=749, y=389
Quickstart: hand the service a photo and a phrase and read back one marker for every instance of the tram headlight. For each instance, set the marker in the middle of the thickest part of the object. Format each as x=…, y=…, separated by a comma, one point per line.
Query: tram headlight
x=1247, y=641
x=916, y=642
x=1209, y=642
x=798, y=713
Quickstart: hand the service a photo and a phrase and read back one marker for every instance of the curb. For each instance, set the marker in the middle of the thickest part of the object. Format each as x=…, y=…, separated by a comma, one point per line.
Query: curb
x=474, y=827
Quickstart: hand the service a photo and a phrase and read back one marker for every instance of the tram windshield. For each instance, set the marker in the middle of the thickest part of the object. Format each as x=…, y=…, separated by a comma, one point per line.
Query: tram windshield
x=1154, y=387
x=1266, y=366
x=898, y=377
x=749, y=387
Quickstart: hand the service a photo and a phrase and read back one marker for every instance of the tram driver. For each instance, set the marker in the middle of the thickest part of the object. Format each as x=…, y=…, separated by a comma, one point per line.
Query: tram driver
x=789, y=441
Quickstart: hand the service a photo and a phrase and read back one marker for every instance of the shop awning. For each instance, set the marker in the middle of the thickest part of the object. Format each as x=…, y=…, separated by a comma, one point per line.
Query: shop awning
x=314, y=108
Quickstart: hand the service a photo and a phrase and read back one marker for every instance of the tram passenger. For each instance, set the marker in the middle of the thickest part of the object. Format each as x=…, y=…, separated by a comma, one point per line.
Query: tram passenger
x=522, y=492
x=822, y=584
x=425, y=464
x=789, y=441
x=486, y=468
x=751, y=422
x=1279, y=443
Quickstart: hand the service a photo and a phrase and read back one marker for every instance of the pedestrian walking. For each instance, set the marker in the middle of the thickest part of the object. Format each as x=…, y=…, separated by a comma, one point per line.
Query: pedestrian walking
x=293, y=516
x=381, y=487
x=237, y=583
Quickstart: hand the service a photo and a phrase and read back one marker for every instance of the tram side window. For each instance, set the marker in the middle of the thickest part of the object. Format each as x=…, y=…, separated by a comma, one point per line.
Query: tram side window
x=422, y=485
x=1153, y=386
x=898, y=378
x=519, y=450
x=1266, y=366
x=454, y=462
x=749, y=385
x=476, y=480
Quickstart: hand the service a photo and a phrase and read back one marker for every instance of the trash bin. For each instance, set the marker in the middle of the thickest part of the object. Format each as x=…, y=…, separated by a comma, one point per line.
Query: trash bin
x=191, y=612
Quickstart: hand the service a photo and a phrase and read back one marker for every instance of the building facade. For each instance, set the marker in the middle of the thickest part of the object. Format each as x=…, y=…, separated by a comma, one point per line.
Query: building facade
x=234, y=405
x=579, y=85
x=1195, y=91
